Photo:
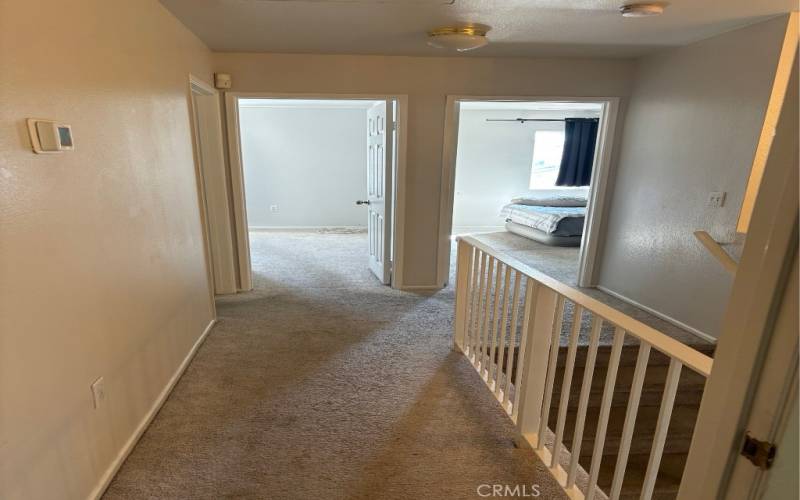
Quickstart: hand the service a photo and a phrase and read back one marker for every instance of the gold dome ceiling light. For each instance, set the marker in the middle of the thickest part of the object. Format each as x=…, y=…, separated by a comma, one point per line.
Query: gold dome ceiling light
x=459, y=38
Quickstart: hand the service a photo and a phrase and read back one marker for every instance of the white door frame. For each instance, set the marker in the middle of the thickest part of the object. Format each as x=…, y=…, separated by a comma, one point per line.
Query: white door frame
x=237, y=174
x=595, y=211
x=212, y=184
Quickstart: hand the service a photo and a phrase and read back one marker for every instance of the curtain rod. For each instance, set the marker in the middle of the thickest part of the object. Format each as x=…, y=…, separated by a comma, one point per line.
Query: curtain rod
x=523, y=120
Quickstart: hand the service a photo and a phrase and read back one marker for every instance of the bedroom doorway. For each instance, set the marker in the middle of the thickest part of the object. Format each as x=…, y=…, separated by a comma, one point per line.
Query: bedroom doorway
x=527, y=175
x=315, y=172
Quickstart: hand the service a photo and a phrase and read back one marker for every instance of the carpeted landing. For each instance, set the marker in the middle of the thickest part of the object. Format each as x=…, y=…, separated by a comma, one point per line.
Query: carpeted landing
x=321, y=383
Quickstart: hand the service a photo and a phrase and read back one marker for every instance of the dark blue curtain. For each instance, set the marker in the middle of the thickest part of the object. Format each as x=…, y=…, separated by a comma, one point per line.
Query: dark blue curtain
x=580, y=136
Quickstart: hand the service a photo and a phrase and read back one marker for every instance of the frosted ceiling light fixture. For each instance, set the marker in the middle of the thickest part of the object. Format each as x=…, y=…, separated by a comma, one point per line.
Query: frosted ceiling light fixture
x=642, y=9
x=460, y=38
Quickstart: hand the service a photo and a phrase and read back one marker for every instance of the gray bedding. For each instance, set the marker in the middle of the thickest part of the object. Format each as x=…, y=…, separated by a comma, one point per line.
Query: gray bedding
x=556, y=221
x=542, y=237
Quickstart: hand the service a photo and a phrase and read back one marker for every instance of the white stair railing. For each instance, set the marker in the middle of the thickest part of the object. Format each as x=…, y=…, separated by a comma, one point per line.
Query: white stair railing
x=505, y=307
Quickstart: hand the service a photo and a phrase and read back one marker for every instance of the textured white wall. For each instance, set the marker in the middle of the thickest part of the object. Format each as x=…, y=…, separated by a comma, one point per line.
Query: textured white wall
x=311, y=162
x=102, y=269
x=427, y=81
x=493, y=164
x=692, y=126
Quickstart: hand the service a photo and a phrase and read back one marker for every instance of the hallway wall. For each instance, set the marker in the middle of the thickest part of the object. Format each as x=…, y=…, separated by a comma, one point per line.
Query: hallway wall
x=309, y=162
x=102, y=268
x=427, y=81
x=493, y=165
x=494, y=159
x=692, y=127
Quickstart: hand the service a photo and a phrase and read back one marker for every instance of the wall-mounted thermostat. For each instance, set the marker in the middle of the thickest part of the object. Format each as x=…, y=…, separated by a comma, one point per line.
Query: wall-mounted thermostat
x=48, y=136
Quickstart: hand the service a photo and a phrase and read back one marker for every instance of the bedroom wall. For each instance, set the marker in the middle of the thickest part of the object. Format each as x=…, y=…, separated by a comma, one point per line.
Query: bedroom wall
x=427, y=81
x=493, y=165
x=311, y=162
x=102, y=269
x=692, y=126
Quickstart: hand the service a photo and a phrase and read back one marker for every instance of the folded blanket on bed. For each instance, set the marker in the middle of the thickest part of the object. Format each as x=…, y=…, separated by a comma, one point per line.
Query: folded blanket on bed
x=575, y=197
x=558, y=221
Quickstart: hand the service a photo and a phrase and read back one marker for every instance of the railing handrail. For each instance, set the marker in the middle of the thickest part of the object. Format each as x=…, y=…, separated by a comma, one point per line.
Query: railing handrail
x=673, y=348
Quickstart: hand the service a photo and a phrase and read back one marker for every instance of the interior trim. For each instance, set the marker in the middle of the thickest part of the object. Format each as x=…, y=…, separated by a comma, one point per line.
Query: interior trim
x=588, y=261
x=112, y=470
x=670, y=319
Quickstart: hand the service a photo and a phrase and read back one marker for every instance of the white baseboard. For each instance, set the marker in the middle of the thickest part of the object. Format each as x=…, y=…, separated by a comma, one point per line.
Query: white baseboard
x=306, y=228
x=105, y=480
x=669, y=319
x=421, y=288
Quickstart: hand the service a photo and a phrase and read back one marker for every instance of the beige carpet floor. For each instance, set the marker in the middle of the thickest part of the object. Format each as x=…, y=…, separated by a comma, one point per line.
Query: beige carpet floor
x=323, y=384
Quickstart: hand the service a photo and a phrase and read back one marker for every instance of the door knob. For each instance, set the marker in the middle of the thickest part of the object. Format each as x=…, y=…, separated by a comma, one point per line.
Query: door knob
x=362, y=202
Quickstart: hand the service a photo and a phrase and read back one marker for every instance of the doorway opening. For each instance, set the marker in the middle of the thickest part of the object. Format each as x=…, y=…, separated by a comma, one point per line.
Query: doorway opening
x=529, y=176
x=319, y=170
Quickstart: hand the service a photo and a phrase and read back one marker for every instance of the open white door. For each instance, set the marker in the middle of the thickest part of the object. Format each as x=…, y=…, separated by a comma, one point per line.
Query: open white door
x=379, y=189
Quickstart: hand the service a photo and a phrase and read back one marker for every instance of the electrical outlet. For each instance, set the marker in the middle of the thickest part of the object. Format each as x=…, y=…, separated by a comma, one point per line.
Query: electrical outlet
x=716, y=199
x=274, y=209
x=99, y=392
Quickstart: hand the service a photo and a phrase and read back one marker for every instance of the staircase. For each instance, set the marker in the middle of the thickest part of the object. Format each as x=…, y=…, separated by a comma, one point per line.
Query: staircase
x=684, y=415
x=493, y=319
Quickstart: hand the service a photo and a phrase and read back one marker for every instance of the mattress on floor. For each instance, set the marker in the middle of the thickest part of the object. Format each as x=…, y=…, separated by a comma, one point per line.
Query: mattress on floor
x=557, y=221
x=542, y=237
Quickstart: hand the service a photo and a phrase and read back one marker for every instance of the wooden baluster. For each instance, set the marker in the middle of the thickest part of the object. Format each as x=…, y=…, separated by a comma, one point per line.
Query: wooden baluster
x=473, y=293
x=531, y=290
x=583, y=402
x=525, y=343
x=630, y=419
x=491, y=345
x=566, y=383
x=551, y=370
x=512, y=339
x=479, y=357
x=605, y=409
x=660, y=438
x=478, y=306
x=503, y=329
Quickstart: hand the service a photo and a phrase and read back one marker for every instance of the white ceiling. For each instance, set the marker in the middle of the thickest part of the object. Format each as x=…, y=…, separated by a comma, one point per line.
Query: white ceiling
x=519, y=27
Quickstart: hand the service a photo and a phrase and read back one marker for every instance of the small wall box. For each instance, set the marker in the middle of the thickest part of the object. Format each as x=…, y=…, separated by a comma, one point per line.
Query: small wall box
x=48, y=136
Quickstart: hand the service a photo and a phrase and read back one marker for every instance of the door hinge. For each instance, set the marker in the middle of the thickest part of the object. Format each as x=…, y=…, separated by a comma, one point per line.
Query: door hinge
x=760, y=453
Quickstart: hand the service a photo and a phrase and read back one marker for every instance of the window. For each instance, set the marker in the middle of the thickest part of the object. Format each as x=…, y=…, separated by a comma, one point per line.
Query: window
x=547, y=148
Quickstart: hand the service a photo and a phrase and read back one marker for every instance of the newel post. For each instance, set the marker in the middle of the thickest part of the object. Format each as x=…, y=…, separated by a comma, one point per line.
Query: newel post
x=463, y=288
x=540, y=312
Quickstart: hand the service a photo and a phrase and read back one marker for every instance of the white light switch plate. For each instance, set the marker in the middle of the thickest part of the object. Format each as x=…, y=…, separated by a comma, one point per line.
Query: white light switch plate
x=716, y=199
